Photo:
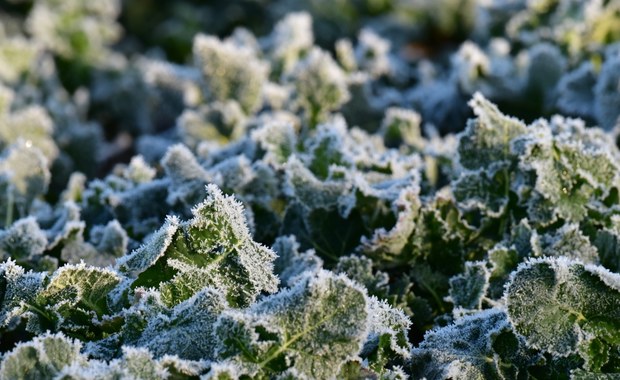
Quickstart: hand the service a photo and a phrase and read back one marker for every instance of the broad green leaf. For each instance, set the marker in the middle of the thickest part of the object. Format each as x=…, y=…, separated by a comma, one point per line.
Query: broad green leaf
x=230, y=71
x=24, y=176
x=187, y=330
x=75, y=296
x=565, y=307
x=468, y=289
x=313, y=327
x=291, y=265
x=320, y=85
x=480, y=346
x=388, y=339
x=17, y=289
x=43, y=357
x=214, y=248
x=486, y=140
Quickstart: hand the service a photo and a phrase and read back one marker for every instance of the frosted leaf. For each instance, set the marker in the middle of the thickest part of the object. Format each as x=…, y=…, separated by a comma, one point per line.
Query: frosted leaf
x=134, y=208
x=106, y=243
x=607, y=94
x=486, y=140
x=138, y=363
x=482, y=190
x=325, y=149
x=320, y=85
x=16, y=56
x=31, y=124
x=23, y=241
x=607, y=243
x=75, y=188
x=277, y=140
x=480, y=346
x=468, y=289
x=502, y=262
x=568, y=241
x=569, y=172
x=187, y=176
x=215, y=249
x=388, y=334
x=43, y=357
x=574, y=307
x=346, y=55
x=391, y=243
x=138, y=171
x=24, y=176
x=304, y=186
x=576, y=91
x=223, y=371
x=313, y=327
x=155, y=247
x=372, y=52
x=218, y=121
x=546, y=67
x=291, y=265
x=291, y=38
x=187, y=330
x=244, y=38
x=360, y=270
x=230, y=72
x=235, y=173
x=471, y=65
x=18, y=288
x=401, y=126
x=76, y=294
x=74, y=248
x=6, y=100
x=77, y=29
x=110, y=239
x=135, y=363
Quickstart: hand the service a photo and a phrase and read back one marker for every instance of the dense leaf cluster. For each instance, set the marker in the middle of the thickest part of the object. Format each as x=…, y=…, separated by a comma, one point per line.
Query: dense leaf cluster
x=200, y=202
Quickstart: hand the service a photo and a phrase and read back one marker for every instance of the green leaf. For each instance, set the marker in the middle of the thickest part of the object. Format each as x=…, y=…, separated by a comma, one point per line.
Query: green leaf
x=468, y=289
x=75, y=295
x=564, y=307
x=486, y=140
x=24, y=176
x=313, y=327
x=230, y=71
x=480, y=346
x=187, y=330
x=43, y=357
x=320, y=85
x=214, y=249
x=568, y=241
x=17, y=289
x=388, y=339
x=291, y=265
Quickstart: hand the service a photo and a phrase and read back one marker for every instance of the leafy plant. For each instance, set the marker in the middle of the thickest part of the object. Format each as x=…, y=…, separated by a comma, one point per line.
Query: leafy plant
x=352, y=195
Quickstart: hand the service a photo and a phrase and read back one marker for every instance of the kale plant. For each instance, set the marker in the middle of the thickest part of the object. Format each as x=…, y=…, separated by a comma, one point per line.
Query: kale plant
x=310, y=190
